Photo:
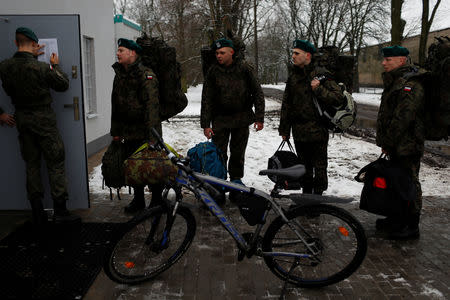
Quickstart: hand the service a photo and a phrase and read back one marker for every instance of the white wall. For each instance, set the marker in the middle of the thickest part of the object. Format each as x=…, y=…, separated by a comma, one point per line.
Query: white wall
x=96, y=18
x=124, y=31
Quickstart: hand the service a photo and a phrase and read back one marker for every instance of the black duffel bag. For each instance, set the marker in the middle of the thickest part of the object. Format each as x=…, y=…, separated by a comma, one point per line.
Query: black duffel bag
x=388, y=188
x=284, y=159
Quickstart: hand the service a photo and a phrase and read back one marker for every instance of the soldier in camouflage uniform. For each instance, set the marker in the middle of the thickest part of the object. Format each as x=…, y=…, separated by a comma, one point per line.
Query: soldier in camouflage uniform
x=28, y=82
x=299, y=114
x=135, y=110
x=230, y=91
x=400, y=131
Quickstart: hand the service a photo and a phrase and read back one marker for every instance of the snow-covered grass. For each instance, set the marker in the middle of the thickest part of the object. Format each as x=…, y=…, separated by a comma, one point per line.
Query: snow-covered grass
x=346, y=154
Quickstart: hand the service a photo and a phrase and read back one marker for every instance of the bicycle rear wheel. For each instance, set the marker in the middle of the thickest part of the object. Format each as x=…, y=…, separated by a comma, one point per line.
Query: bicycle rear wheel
x=336, y=237
x=146, y=249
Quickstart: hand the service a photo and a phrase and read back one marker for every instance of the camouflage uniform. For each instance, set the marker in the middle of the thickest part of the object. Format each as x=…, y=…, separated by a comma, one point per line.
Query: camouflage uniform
x=400, y=125
x=135, y=110
x=299, y=114
x=28, y=83
x=228, y=96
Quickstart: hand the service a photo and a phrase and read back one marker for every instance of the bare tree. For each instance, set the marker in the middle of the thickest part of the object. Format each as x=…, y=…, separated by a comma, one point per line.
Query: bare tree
x=397, y=23
x=426, y=24
x=120, y=6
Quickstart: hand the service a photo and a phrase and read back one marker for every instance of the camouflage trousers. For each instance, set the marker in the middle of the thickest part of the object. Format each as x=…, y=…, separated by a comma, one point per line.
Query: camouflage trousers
x=315, y=158
x=237, y=138
x=412, y=164
x=39, y=137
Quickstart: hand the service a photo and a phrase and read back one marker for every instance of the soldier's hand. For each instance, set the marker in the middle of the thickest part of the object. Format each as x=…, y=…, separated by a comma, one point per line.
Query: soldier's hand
x=7, y=119
x=258, y=126
x=37, y=50
x=314, y=84
x=54, y=60
x=208, y=132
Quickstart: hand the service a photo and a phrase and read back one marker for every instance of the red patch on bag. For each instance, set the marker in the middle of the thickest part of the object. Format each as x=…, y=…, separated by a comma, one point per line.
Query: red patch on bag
x=379, y=182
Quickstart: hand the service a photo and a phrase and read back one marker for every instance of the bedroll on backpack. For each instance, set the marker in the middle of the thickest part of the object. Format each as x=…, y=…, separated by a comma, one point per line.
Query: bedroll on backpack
x=161, y=58
x=206, y=158
x=437, y=90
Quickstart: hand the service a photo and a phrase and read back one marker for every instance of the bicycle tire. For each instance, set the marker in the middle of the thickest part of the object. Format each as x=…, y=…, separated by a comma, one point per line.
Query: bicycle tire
x=337, y=235
x=135, y=259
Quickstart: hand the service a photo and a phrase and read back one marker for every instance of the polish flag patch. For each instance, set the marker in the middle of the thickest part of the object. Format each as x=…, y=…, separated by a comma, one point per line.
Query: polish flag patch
x=407, y=89
x=149, y=77
x=51, y=67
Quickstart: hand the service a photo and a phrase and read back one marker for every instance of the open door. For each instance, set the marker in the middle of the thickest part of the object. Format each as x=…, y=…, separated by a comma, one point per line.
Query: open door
x=67, y=105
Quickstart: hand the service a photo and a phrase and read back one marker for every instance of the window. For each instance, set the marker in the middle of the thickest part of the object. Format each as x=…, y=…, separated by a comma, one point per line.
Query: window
x=89, y=76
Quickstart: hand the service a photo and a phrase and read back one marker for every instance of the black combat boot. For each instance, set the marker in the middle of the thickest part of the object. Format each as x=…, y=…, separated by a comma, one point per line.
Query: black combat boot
x=61, y=214
x=410, y=229
x=385, y=224
x=138, y=202
x=38, y=213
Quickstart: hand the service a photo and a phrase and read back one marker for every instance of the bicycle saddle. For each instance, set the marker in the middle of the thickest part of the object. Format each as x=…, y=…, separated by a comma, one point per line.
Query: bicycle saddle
x=294, y=172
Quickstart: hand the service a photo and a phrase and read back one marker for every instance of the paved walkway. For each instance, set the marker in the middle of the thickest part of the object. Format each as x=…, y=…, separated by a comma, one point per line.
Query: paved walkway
x=418, y=269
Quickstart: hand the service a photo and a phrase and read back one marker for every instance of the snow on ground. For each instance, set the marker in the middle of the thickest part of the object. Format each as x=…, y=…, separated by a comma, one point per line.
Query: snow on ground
x=346, y=154
x=367, y=98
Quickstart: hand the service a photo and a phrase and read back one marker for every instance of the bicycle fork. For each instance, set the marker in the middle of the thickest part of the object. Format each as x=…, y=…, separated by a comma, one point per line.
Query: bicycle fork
x=164, y=241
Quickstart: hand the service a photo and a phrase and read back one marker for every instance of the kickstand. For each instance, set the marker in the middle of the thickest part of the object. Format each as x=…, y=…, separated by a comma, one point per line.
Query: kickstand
x=294, y=265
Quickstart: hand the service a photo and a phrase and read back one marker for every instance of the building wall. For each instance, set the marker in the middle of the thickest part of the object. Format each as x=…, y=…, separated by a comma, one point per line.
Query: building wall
x=125, y=28
x=369, y=62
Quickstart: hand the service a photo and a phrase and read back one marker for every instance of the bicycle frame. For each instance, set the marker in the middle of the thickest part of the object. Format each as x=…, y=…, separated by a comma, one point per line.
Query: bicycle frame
x=185, y=180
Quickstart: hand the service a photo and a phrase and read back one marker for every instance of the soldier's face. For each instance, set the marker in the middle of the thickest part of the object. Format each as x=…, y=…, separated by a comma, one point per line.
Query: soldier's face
x=393, y=62
x=300, y=58
x=125, y=56
x=224, y=56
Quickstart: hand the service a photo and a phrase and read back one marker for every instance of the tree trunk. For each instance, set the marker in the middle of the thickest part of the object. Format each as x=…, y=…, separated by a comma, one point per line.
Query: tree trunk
x=256, y=37
x=426, y=25
x=397, y=23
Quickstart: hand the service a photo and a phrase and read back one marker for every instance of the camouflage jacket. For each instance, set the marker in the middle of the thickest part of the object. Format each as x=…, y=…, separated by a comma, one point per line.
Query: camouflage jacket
x=28, y=81
x=400, y=123
x=135, y=102
x=298, y=111
x=229, y=95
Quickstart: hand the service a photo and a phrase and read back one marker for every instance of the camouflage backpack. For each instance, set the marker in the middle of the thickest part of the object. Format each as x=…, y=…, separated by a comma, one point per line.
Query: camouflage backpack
x=437, y=90
x=149, y=166
x=340, y=69
x=161, y=58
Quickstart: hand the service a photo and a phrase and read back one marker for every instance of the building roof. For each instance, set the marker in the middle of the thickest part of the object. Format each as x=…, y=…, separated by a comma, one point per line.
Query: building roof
x=127, y=22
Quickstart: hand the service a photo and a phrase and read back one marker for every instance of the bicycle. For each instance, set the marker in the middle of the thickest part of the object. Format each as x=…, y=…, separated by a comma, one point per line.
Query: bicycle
x=310, y=244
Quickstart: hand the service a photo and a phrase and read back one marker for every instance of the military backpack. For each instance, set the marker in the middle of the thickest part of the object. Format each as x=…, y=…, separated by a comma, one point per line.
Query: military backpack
x=437, y=90
x=340, y=69
x=161, y=58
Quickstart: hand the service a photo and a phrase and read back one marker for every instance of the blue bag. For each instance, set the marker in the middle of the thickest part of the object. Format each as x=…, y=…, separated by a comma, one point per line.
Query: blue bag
x=206, y=158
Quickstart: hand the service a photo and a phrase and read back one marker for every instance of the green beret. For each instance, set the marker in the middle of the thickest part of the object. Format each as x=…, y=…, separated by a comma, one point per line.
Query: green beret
x=28, y=33
x=395, y=51
x=220, y=43
x=130, y=44
x=304, y=45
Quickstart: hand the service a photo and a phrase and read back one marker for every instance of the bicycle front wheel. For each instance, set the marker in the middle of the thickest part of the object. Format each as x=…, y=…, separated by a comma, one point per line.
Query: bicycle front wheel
x=148, y=248
x=319, y=246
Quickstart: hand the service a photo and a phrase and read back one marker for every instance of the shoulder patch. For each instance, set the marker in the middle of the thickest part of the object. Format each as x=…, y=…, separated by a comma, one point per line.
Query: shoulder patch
x=149, y=76
x=407, y=88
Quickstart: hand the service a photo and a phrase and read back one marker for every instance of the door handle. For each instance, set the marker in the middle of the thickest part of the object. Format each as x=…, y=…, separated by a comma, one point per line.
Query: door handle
x=76, y=108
